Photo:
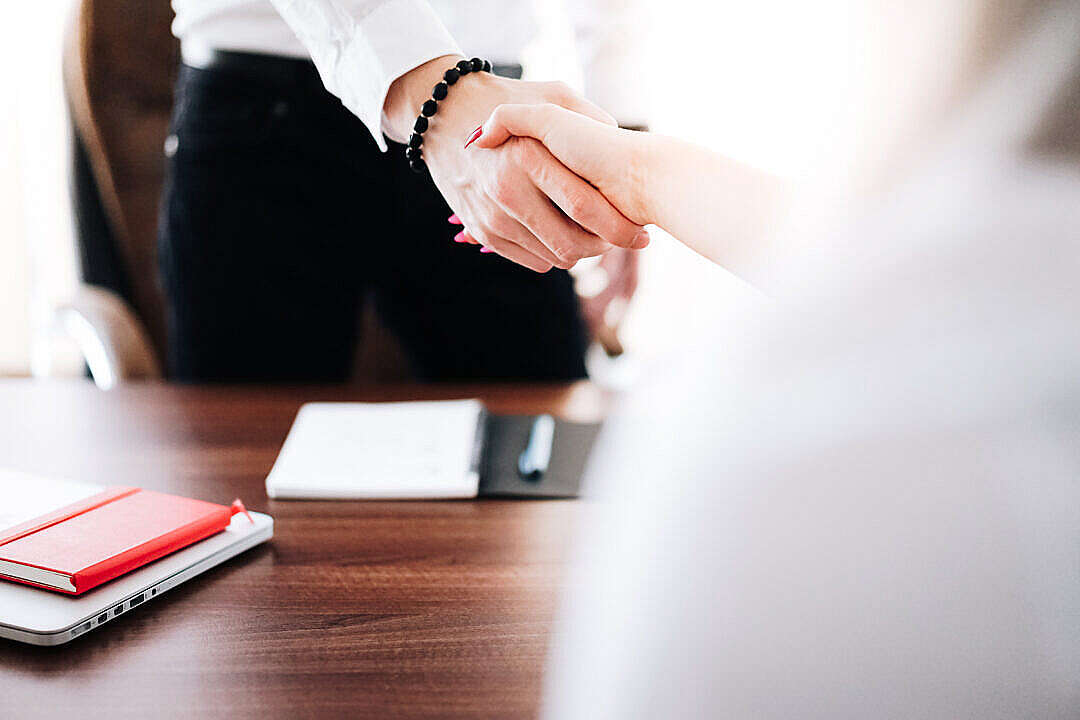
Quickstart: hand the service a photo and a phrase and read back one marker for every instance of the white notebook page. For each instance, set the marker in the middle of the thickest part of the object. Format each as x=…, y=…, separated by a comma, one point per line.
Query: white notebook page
x=405, y=450
x=24, y=496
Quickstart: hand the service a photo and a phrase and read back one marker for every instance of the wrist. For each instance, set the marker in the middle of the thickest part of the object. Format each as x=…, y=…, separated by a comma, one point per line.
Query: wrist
x=468, y=104
x=647, y=156
x=408, y=93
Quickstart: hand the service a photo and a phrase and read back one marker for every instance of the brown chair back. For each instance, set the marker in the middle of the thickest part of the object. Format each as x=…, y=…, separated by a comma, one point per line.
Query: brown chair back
x=120, y=61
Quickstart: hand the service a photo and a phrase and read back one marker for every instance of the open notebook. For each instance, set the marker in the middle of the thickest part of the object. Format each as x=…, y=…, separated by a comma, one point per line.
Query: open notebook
x=409, y=450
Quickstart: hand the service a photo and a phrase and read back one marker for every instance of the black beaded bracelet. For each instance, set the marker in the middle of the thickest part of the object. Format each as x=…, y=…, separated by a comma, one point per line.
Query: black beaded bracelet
x=414, y=153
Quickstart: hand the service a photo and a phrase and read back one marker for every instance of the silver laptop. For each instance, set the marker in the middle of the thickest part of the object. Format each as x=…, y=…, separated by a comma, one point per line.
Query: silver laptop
x=42, y=617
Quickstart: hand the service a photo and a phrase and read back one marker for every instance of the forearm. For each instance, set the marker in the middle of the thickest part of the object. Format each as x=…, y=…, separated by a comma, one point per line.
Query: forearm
x=722, y=209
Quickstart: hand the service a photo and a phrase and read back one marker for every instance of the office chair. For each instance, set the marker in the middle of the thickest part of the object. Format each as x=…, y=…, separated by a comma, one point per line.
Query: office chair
x=120, y=62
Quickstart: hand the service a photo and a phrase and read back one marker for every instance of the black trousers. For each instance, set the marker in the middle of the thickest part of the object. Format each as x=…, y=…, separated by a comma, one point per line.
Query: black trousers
x=280, y=215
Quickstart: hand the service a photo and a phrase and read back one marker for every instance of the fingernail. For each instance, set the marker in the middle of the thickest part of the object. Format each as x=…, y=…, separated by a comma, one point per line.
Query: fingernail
x=460, y=237
x=454, y=220
x=475, y=134
x=486, y=250
x=641, y=240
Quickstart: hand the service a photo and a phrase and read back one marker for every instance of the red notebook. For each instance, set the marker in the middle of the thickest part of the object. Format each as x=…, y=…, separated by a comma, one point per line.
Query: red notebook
x=98, y=538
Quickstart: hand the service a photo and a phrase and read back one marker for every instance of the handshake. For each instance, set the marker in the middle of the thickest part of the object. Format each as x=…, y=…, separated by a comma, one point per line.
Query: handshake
x=533, y=172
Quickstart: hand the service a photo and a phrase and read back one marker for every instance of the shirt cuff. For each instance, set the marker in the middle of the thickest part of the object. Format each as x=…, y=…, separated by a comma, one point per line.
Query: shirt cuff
x=360, y=55
x=428, y=39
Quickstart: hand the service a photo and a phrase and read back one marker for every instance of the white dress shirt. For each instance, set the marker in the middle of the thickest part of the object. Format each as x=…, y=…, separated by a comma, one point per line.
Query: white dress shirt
x=361, y=46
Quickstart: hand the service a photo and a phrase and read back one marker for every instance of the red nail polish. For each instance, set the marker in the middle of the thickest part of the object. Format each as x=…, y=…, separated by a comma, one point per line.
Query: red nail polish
x=454, y=220
x=475, y=134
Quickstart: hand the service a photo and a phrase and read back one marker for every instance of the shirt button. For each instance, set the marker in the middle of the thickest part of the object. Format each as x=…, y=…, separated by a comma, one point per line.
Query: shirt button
x=281, y=108
x=171, y=144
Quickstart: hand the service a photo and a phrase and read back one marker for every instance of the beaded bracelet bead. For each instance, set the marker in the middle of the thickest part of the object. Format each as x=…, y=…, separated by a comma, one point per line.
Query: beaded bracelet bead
x=414, y=153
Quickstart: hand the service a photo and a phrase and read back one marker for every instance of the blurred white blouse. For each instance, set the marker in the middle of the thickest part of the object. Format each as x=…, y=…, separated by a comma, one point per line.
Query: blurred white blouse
x=862, y=500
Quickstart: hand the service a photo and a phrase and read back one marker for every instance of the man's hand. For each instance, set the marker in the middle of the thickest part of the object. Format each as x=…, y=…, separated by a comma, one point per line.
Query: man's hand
x=515, y=199
x=606, y=291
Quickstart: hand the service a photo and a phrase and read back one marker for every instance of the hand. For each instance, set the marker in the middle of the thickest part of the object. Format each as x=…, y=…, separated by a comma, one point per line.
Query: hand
x=606, y=294
x=725, y=210
x=515, y=199
x=610, y=159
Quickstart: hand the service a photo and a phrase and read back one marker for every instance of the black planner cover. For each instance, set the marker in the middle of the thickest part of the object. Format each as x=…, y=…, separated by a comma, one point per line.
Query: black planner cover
x=506, y=436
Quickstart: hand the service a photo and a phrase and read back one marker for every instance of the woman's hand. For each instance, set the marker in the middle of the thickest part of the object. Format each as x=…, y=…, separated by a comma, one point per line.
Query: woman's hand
x=609, y=158
x=720, y=208
x=516, y=199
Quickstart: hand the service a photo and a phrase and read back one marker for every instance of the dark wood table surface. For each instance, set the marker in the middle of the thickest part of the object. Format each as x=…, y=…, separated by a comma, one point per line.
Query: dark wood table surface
x=354, y=609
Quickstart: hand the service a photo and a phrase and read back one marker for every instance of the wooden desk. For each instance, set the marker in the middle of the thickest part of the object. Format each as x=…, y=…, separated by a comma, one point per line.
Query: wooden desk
x=354, y=609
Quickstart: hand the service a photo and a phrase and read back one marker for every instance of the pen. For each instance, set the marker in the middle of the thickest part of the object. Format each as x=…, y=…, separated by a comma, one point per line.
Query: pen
x=534, y=459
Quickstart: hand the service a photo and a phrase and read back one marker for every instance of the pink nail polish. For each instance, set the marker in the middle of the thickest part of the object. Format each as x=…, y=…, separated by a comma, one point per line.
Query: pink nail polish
x=486, y=250
x=454, y=220
x=475, y=134
x=460, y=237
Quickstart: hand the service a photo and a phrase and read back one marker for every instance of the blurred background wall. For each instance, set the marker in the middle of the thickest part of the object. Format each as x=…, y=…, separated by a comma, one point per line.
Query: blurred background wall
x=37, y=263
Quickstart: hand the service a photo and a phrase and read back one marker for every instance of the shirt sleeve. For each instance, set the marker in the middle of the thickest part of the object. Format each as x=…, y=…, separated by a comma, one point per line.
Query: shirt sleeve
x=361, y=46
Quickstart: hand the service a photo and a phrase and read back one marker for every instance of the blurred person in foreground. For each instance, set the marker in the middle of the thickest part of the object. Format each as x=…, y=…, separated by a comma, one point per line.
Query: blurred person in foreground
x=862, y=498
